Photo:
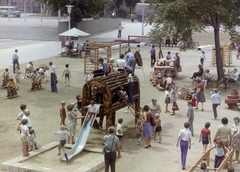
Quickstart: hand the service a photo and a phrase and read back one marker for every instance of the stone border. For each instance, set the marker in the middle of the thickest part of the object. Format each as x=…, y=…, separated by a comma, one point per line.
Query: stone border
x=16, y=165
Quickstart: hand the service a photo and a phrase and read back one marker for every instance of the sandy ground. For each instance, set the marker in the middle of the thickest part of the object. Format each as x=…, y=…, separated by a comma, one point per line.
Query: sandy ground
x=44, y=107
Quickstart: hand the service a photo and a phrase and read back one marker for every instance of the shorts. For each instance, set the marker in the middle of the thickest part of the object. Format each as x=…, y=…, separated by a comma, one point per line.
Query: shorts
x=66, y=75
x=24, y=138
x=205, y=140
x=72, y=130
x=120, y=136
x=159, y=128
x=62, y=143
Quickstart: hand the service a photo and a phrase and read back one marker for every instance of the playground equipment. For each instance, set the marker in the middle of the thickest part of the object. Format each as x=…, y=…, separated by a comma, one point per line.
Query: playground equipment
x=227, y=158
x=103, y=89
x=94, y=50
x=226, y=54
x=82, y=138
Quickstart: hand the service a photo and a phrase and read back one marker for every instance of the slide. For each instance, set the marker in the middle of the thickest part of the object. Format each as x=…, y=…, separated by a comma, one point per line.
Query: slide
x=82, y=138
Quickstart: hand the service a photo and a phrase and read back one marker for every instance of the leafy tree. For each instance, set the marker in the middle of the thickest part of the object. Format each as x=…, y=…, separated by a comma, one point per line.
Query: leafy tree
x=131, y=4
x=180, y=18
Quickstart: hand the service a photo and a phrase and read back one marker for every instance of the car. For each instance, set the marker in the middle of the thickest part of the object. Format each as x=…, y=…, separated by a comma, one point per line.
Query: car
x=12, y=11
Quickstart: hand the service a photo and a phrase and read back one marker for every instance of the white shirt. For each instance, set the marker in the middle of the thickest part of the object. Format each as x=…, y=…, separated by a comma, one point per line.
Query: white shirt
x=185, y=134
x=202, y=56
x=121, y=63
x=169, y=80
x=130, y=78
x=120, y=27
x=219, y=151
x=15, y=56
x=235, y=76
x=53, y=69
x=215, y=97
x=92, y=108
x=62, y=134
x=23, y=129
x=119, y=127
x=20, y=115
x=29, y=124
x=168, y=57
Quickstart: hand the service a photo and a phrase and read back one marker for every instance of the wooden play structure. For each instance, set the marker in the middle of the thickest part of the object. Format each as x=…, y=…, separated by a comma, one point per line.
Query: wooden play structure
x=95, y=50
x=206, y=155
x=102, y=90
x=226, y=54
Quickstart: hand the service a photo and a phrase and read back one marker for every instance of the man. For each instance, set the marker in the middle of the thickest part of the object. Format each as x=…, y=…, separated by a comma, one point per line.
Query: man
x=79, y=50
x=112, y=143
x=53, y=77
x=130, y=61
x=202, y=58
x=15, y=60
x=216, y=101
x=224, y=133
x=233, y=78
x=120, y=30
x=132, y=18
x=121, y=63
x=153, y=56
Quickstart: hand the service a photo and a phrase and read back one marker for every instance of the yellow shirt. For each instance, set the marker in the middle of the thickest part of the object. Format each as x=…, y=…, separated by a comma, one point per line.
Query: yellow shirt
x=11, y=84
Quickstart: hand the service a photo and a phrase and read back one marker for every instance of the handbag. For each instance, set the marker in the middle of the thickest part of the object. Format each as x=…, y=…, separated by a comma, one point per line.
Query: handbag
x=18, y=127
x=106, y=150
x=152, y=121
x=175, y=106
x=180, y=69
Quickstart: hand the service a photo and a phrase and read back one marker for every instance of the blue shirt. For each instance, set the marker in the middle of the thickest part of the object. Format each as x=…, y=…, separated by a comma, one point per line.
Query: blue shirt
x=105, y=67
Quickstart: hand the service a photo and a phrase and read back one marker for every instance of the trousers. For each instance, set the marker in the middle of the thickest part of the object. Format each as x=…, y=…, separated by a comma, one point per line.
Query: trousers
x=153, y=60
x=129, y=91
x=53, y=82
x=184, y=150
x=214, y=107
x=15, y=62
x=110, y=160
x=218, y=161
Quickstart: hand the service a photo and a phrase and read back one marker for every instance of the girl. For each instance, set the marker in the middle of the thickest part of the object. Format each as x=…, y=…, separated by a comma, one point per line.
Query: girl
x=158, y=128
x=17, y=76
x=67, y=75
x=110, y=65
x=63, y=113
x=167, y=101
x=92, y=111
x=119, y=132
x=62, y=133
x=24, y=137
x=194, y=101
x=219, y=156
x=205, y=136
x=32, y=136
x=138, y=130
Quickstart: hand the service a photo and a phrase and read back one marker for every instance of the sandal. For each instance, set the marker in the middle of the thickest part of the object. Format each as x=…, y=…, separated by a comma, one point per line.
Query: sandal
x=26, y=155
x=146, y=146
x=149, y=146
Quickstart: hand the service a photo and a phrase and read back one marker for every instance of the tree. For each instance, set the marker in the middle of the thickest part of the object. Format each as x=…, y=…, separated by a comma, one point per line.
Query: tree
x=131, y=4
x=180, y=18
x=82, y=8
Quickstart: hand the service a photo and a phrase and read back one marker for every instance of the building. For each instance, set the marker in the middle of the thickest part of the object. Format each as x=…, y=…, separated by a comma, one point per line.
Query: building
x=31, y=5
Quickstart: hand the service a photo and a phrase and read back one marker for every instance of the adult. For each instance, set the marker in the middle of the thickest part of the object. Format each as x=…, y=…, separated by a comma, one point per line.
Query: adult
x=120, y=30
x=202, y=58
x=53, y=76
x=121, y=63
x=71, y=122
x=236, y=138
x=176, y=59
x=173, y=98
x=26, y=116
x=130, y=61
x=232, y=78
x=24, y=137
x=155, y=108
x=112, y=143
x=23, y=107
x=130, y=86
x=79, y=50
x=147, y=128
x=198, y=73
x=216, y=101
x=200, y=94
x=132, y=18
x=190, y=115
x=153, y=56
x=184, y=137
x=15, y=59
x=238, y=52
x=224, y=133
x=113, y=14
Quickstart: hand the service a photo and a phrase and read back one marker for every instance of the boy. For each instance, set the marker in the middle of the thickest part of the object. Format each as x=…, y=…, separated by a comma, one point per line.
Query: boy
x=119, y=132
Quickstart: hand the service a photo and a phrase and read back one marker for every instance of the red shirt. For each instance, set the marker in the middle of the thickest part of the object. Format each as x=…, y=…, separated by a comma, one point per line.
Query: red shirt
x=201, y=86
x=205, y=132
x=63, y=112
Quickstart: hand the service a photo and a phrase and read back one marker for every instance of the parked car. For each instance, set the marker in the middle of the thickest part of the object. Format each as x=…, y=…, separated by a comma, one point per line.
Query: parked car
x=12, y=11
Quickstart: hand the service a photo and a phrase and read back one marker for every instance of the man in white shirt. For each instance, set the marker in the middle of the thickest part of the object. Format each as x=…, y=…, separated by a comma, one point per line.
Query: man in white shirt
x=216, y=100
x=15, y=60
x=53, y=77
x=121, y=64
x=202, y=58
x=233, y=78
x=120, y=30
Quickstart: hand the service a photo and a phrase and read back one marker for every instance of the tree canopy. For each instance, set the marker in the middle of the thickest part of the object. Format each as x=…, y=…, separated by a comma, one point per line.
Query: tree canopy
x=180, y=18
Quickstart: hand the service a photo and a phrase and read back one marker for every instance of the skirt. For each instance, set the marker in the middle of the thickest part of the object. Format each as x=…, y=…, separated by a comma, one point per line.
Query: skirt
x=147, y=130
x=159, y=128
x=236, y=143
x=201, y=97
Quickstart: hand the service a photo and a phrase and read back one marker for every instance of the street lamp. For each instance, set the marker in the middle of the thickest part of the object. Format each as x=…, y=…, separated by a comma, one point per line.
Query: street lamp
x=69, y=9
x=143, y=17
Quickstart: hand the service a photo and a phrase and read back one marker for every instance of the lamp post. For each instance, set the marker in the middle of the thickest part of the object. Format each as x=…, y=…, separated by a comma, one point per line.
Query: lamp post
x=8, y=10
x=69, y=9
x=143, y=17
x=25, y=1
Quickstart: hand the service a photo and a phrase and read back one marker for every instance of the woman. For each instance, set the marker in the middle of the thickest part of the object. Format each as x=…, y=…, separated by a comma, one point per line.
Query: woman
x=184, y=137
x=24, y=137
x=173, y=98
x=200, y=94
x=154, y=109
x=71, y=122
x=236, y=138
x=198, y=73
x=147, y=128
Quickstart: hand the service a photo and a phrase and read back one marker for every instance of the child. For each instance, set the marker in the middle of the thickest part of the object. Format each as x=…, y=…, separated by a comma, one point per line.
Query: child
x=11, y=88
x=62, y=136
x=205, y=136
x=194, y=101
x=110, y=65
x=168, y=82
x=206, y=77
x=67, y=75
x=167, y=101
x=32, y=136
x=79, y=103
x=138, y=130
x=17, y=76
x=219, y=156
x=92, y=111
x=5, y=77
x=89, y=77
x=190, y=115
x=63, y=113
x=24, y=137
x=158, y=128
x=121, y=94
x=119, y=132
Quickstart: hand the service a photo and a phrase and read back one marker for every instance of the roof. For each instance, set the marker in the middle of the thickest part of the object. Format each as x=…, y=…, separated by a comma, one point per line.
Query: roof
x=74, y=32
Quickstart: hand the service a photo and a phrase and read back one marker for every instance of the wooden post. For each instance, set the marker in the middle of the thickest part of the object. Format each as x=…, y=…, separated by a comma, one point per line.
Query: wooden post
x=137, y=108
x=108, y=121
x=113, y=118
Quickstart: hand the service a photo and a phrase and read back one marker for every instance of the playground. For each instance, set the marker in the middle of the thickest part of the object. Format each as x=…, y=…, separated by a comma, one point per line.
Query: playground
x=44, y=107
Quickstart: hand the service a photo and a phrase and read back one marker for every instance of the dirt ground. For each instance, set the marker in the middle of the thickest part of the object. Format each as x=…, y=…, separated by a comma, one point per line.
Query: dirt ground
x=44, y=107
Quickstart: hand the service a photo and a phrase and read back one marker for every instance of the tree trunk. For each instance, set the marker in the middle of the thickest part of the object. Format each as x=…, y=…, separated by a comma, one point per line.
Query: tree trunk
x=219, y=63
